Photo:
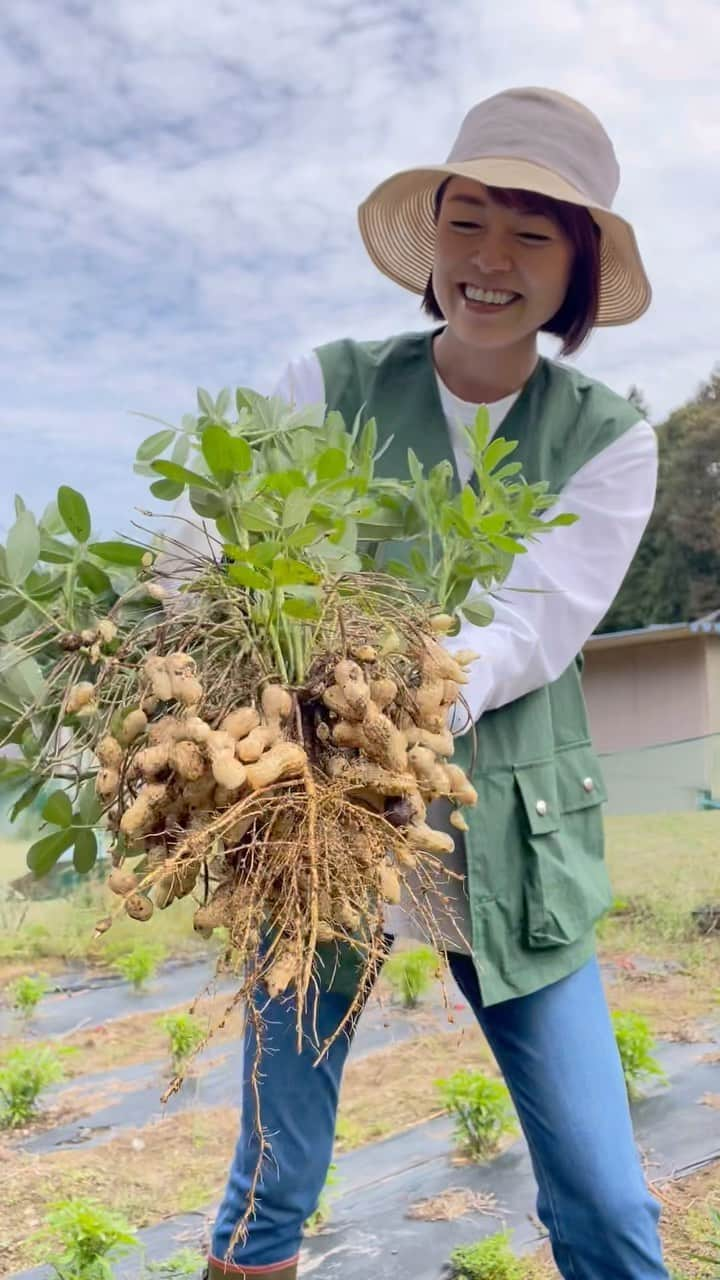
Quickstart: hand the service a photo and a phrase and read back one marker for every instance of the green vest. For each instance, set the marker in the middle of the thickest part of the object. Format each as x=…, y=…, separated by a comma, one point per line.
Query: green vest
x=536, y=877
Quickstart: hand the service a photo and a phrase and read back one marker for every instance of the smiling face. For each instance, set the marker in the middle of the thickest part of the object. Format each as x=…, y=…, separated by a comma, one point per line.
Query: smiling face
x=499, y=273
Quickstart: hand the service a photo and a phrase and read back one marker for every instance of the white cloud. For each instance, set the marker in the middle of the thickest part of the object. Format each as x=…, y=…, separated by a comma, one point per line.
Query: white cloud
x=180, y=182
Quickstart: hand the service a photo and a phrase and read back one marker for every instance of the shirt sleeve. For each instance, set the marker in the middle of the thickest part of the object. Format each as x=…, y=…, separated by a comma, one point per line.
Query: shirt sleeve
x=556, y=594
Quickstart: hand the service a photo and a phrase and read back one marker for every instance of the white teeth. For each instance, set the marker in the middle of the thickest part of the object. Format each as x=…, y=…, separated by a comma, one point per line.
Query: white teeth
x=487, y=295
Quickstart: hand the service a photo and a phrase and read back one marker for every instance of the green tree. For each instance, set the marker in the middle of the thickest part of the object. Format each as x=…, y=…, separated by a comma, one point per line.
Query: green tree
x=675, y=576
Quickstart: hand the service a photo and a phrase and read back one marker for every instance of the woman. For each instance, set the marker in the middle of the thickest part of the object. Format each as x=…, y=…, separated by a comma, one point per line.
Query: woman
x=513, y=236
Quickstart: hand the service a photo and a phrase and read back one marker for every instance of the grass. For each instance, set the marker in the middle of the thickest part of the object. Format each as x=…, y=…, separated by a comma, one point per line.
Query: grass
x=45, y=933
x=662, y=867
x=675, y=853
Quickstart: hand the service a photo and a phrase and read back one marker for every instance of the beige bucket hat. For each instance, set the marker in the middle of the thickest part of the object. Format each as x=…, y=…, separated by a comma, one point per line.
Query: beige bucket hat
x=531, y=139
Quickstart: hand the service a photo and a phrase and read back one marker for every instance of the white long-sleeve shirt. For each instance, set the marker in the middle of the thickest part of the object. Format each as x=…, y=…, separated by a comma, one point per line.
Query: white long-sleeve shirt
x=556, y=594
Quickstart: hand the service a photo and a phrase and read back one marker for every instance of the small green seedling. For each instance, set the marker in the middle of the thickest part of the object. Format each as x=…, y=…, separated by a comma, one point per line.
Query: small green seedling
x=185, y=1034
x=25, y=1073
x=89, y=1237
x=490, y=1259
x=412, y=973
x=26, y=994
x=140, y=964
x=482, y=1110
x=635, y=1044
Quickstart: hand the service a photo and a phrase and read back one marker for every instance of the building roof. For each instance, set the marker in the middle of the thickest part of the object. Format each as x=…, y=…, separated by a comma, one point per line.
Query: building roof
x=657, y=633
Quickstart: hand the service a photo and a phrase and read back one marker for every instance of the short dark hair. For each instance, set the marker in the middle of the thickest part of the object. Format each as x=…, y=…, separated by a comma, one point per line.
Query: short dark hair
x=578, y=313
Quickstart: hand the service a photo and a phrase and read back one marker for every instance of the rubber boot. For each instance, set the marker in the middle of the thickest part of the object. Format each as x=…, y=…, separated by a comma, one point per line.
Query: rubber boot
x=279, y=1271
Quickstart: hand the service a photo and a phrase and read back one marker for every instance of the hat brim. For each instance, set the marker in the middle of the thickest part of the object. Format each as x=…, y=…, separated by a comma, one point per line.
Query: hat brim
x=397, y=224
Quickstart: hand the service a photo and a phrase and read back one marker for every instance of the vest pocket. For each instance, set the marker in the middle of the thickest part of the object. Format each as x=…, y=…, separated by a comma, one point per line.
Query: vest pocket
x=566, y=887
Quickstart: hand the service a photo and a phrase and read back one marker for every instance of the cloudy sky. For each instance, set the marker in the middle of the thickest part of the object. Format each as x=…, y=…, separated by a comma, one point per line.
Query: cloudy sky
x=179, y=184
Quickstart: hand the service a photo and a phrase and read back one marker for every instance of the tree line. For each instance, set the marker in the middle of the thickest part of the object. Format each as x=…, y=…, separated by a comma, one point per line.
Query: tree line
x=675, y=576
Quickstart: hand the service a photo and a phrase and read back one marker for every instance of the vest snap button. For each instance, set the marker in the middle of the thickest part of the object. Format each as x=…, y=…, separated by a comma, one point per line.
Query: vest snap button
x=588, y=784
x=541, y=807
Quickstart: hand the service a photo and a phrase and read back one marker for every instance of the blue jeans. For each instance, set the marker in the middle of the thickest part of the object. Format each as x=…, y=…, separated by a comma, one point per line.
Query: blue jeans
x=556, y=1050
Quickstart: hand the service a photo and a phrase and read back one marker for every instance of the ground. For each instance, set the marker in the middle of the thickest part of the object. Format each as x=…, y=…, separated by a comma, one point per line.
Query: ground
x=663, y=867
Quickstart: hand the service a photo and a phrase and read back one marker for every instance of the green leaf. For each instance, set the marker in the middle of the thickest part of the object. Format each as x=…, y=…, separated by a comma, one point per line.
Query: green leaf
x=74, y=510
x=58, y=809
x=21, y=674
x=40, y=586
x=181, y=475
x=305, y=610
x=118, y=553
x=94, y=578
x=43, y=854
x=418, y=562
x=450, y=518
x=558, y=522
x=23, y=547
x=207, y=505
x=154, y=445
x=85, y=851
x=283, y=482
x=216, y=444
x=480, y=613
x=331, y=465
x=288, y=572
x=256, y=518
x=205, y=402
x=468, y=503
x=50, y=520
x=512, y=469
x=305, y=536
x=367, y=443
x=246, y=576
x=181, y=450
x=19, y=504
x=480, y=430
x=242, y=454
x=263, y=553
x=52, y=551
x=224, y=526
x=297, y=508
x=508, y=544
x=496, y=451
x=89, y=807
x=10, y=608
x=223, y=402
x=414, y=467
x=12, y=772
x=494, y=523
x=168, y=490
x=25, y=800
